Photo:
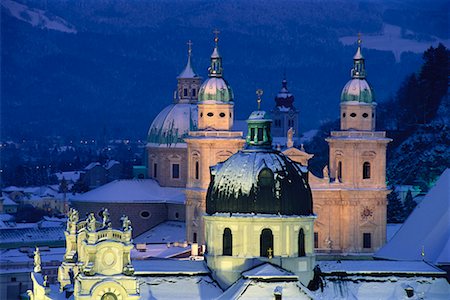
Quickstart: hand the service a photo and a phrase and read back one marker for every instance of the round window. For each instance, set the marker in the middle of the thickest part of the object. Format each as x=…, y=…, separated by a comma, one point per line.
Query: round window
x=210, y=114
x=365, y=115
x=145, y=214
x=352, y=115
x=201, y=115
x=222, y=114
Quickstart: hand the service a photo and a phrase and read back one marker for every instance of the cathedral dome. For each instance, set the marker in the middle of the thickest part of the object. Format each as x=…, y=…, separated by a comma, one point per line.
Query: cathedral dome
x=215, y=89
x=259, y=179
x=359, y=90
x=266, y=182
x=173, y=124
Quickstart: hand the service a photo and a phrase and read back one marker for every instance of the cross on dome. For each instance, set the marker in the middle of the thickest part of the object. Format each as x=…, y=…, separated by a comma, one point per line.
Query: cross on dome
x=259, y=92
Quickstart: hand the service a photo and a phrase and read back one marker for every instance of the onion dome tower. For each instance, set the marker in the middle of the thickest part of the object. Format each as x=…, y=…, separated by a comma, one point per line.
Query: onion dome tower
x=357, y=98
x=284, y=114
x=259, y=209
x=215, y=96
x=358, y=168
x=211, y=143
x=165, y=140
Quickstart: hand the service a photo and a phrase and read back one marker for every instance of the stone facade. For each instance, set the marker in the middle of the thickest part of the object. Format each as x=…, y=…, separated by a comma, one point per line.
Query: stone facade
x=168, y=165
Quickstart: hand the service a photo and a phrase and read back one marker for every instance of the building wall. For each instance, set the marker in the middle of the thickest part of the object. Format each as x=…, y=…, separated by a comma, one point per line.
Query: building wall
x=164, y=158
x=157, y=213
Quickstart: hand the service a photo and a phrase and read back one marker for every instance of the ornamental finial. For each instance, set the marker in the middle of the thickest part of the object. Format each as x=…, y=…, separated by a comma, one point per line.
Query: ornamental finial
x=259, y=92
x=216, y=38
x=189, y=43
x=37, y=261
x=359, y=39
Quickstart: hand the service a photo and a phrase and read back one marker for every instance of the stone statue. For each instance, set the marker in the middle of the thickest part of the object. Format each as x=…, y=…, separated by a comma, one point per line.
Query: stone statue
x=91, y=222
x=45, y=283
x=126, y=223
x=290, y=138
x=72, y=218
x=326, y=175
x=37, y=261
x=106, y=219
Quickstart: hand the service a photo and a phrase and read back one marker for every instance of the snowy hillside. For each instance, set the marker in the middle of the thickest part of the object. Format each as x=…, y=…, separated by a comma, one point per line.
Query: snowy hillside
x=37, y=18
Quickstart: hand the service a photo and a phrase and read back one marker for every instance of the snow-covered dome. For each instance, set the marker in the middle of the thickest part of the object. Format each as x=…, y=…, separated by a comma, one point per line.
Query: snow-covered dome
x=264, y=181
x=259, y=179
x=173, y=124
x=359, y=90
x=215, y=89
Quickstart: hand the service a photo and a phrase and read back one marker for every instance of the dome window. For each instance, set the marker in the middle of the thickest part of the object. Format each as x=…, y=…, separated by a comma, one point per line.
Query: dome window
x=365, y=115
x=145, y=214
x=185, y=92
x=210, y=114
x=222, y=115
x=266, y=243
x=227, y=242
x=352, y=115
x=231, y=115
x=343, y=115
x=201, y=115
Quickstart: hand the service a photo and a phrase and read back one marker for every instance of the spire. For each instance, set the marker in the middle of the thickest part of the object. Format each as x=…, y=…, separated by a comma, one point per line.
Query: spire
x=215, y=70
x=358, y=70
x=188, y=72
x=259, y=92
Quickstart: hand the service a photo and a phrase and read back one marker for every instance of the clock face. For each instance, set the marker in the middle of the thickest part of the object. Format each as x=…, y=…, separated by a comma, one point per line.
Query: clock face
x=109, y=294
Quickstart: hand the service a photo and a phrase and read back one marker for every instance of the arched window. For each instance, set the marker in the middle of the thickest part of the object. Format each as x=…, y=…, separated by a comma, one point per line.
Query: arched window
x=301, y=243
x=339, y=170
x=185, y=92
x=366, y=170
x=197, y=170
x=266, y=243
x=194, y=237
x=227, y=242
x=194, y=92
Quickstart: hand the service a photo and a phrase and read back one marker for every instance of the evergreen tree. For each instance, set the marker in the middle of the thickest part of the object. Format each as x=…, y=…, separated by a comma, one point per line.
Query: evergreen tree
x=433, y=80
x=395, y=209
x=410, y=204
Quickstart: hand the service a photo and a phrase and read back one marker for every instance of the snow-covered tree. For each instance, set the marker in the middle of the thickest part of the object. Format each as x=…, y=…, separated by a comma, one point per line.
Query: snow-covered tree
x=410, y=204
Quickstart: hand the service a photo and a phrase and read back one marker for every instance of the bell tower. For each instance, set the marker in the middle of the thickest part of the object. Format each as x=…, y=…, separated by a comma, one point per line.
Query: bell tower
x=358, y=166
x=213, y=142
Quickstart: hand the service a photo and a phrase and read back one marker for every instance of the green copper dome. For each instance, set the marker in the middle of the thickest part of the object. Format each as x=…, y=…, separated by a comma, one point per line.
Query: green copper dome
x=358, y=89
x=215, y=88
x=259, y=179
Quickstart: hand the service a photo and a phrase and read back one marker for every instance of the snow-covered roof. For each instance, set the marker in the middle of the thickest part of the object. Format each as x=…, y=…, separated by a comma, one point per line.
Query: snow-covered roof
x=169, y=267
x=268, y=271
x=13, y=236
x=69, y=175
x=133, y=191
x=371, y=267
x=256, y=289
x=92, y=165
x=110, y=163
x=427, y=229
x=166, y=232
x=179, y=287
x=8, y=201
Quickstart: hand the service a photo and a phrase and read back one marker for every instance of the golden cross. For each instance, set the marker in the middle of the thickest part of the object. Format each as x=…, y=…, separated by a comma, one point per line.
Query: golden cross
x=269, y=253
x=216, y=32
x=259, y=92
x=189, y=43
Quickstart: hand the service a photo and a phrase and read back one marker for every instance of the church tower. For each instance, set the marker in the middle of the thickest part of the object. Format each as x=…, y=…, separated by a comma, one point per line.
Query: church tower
x=259, y=210
x=213, y=142
x=285, y=115
x=358, y=168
